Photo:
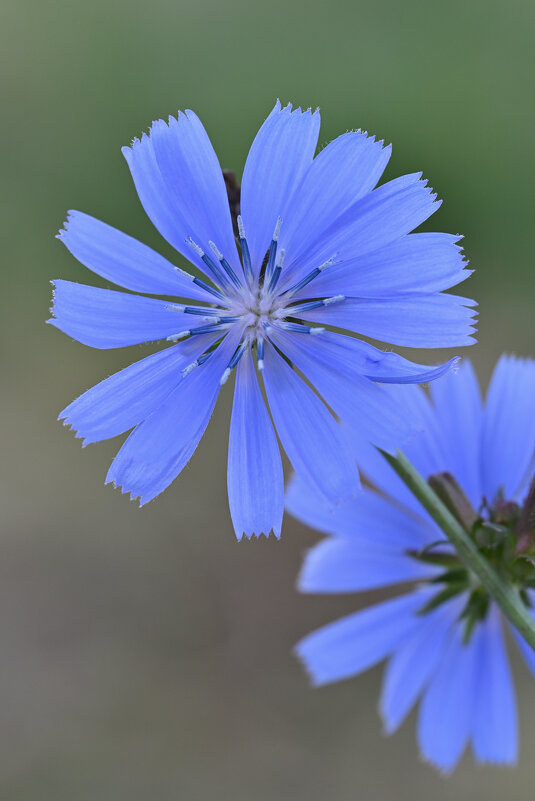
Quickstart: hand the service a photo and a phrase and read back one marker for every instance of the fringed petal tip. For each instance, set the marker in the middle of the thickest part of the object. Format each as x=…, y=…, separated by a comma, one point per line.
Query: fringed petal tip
x=278, y=108
x=446, y=770
x=68, y=424
x=443, y=770
x=125, y=491
x=188, y=114
x=256, y=535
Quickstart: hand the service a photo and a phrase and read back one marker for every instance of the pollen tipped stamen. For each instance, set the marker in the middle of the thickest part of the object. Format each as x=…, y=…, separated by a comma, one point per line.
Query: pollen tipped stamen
x=260, y=354
x=245, y=255
x=310, y=277
x=220, y=277
x=201, y=311
x=233, y=362
x=277, y=271
x=202, y=329
x=314, y=304
x=207, y=288
x=197, y=363
x=225, y=265
x=273, y=251
x=298, y=328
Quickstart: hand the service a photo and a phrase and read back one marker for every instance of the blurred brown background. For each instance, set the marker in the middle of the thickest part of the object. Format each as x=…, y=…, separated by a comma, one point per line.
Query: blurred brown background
x=145, y=654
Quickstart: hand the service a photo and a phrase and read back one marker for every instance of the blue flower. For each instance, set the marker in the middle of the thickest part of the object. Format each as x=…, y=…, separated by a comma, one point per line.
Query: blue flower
x=444, y=639
x=316, y=244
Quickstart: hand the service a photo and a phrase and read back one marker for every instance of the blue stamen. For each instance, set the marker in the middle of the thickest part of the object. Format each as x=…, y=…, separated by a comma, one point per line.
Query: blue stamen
x=209, y=288
x=308, y=278
x=201, y=311
x=298, y=328
x=201, y=283
x=273, y=250
x=246, y=256
x=201, y=360
x=313, y=304
x=277, y=272
x=220, y=277
x=202, y=329
x=226, y=266
x=233, y=362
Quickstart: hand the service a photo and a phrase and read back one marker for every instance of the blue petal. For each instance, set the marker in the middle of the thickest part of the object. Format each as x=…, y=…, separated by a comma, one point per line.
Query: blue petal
x=354, y=398
x=343, y=172
x=380, y=475
x=255, y=478
x=413, y=321
x=371, y=520
x=413, y=664
x=448, y=705
x=415, y=263
x=359, y=641
x=428, y=450
x=279, y=157
x=160, y=446
x=508, y=446
x=380, y=217
x=125, y=261
x=346, y=565
x=308, y=432
x=385, y=367
x=459, y=413
x=104, y=318
x=495, y=726
x=126, y=398
x=181, y=186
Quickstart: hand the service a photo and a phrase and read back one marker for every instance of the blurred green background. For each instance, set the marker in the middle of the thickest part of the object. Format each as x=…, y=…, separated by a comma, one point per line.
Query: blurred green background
x=146, y=654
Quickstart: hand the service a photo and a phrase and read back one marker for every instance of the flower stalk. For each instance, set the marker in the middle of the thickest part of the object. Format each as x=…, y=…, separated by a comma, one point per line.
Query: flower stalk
x=505, y=594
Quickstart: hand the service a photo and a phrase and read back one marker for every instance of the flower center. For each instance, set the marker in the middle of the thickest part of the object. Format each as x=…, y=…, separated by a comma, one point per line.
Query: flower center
x=253, y=301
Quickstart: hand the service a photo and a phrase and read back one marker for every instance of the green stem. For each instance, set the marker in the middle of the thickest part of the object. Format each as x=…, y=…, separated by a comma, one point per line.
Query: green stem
x=505, y=595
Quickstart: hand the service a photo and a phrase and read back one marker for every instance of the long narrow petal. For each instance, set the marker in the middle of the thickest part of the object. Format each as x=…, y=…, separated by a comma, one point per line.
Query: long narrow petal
x=380, y=217
x=417, y=321
x=308, y=432
x=448, y=705
x=412, y=665
x=255, y=478
x=459, y=411
x=279, y=157
x=508, y=446
x=384, y=367
x=125, y=261
x=123, y=400
x=343, y=172
x=344, y=565
x=359, y=641
x=495, y=737
x=415, y=263
x=359, y=402
x=104, y=318
x=181, y=186
x=160, y=446
x=370, y=519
